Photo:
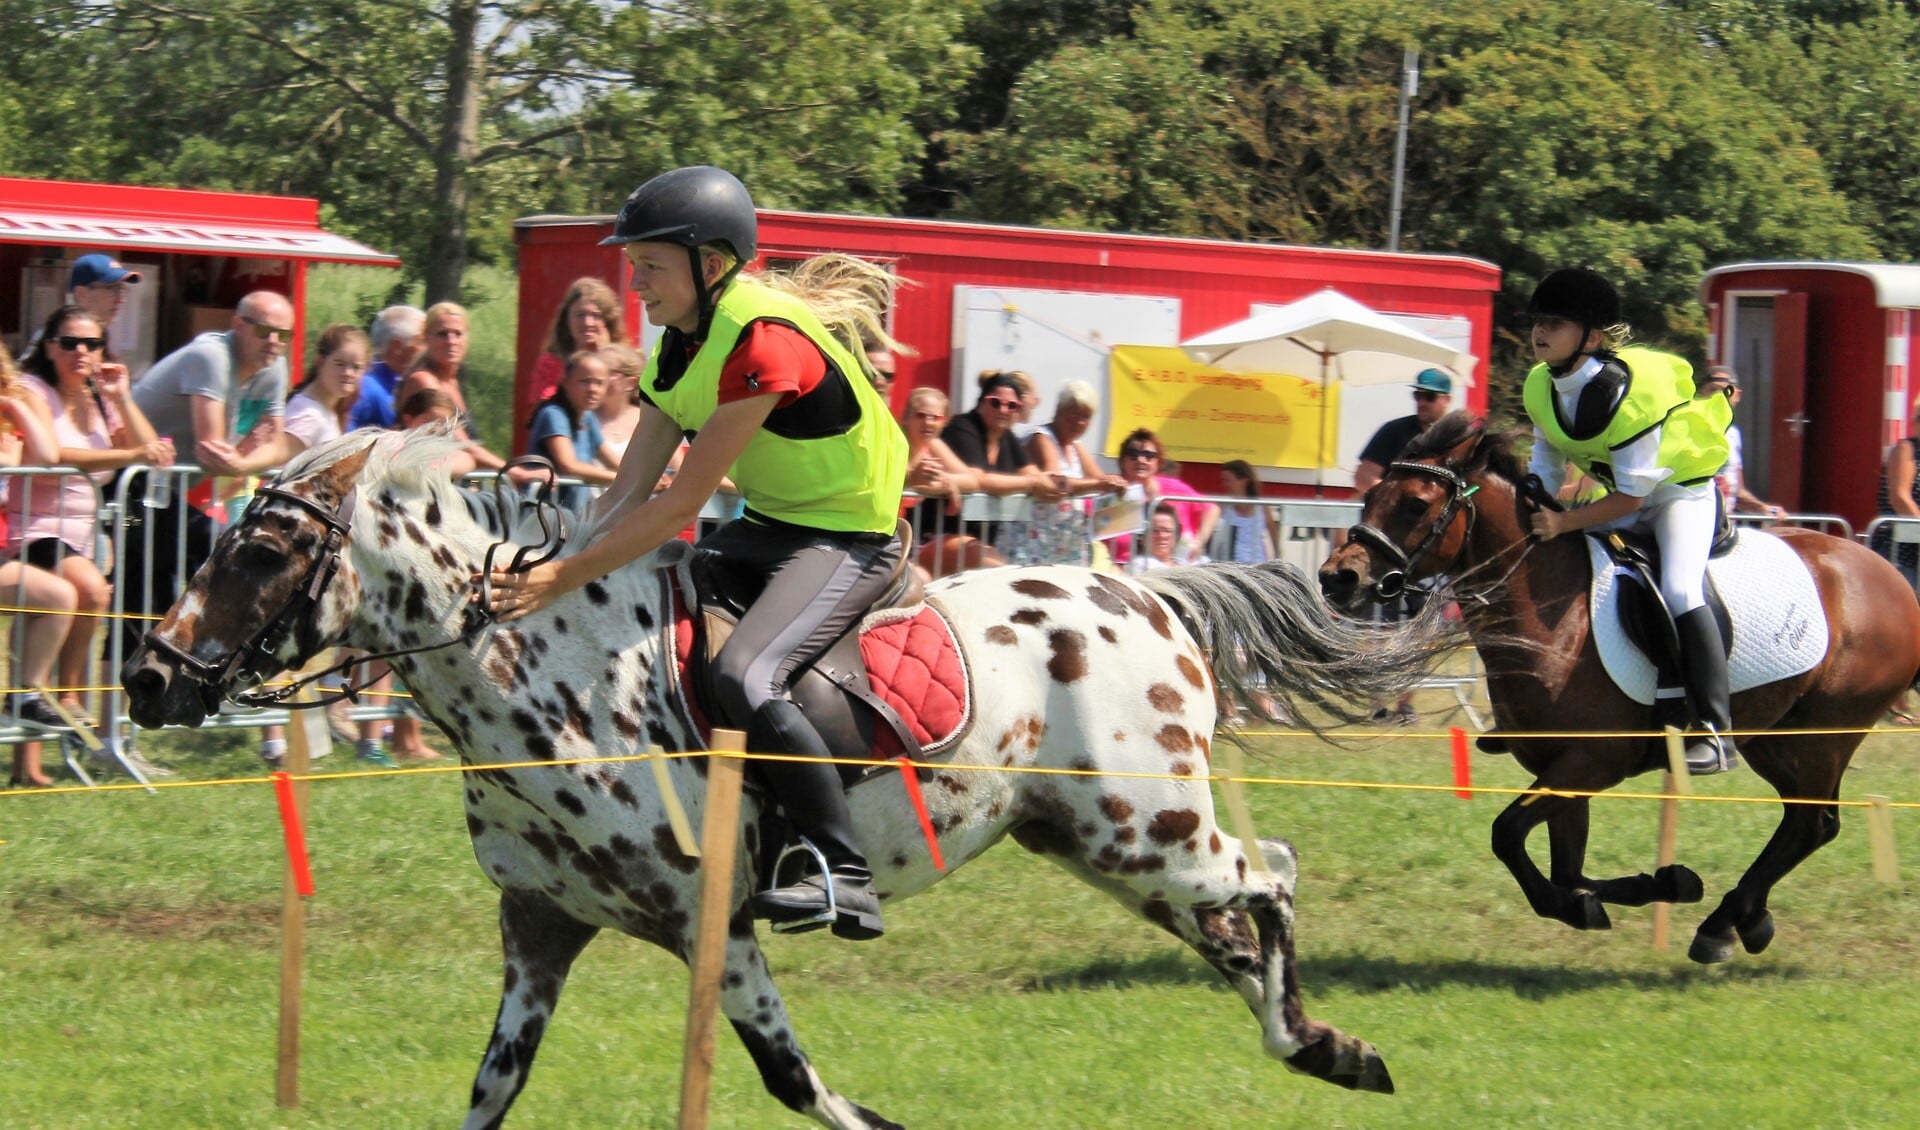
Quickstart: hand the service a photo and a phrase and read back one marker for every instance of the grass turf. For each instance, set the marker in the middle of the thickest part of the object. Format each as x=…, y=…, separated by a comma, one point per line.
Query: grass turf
x=138, y=979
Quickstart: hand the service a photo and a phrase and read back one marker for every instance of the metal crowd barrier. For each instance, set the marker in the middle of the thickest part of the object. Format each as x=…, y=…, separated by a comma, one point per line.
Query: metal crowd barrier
x=1903, y=532
x=1823, y=523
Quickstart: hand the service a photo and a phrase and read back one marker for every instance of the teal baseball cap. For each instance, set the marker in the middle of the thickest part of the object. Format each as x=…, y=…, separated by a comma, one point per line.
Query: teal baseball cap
x=1434, y=380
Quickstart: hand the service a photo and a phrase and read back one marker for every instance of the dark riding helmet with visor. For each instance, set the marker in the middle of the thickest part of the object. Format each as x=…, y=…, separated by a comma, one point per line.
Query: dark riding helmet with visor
x=693, y=207
x=1580, y=295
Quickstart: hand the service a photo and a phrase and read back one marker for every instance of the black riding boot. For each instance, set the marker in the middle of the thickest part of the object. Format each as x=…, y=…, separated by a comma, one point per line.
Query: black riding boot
x=811, y=795
x=1703, y=663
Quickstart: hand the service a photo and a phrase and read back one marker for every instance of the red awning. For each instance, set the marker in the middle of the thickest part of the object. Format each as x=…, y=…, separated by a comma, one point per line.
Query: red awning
x=207, y=223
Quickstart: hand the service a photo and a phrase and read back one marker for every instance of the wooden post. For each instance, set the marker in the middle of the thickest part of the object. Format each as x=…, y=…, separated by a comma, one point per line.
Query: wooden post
x=1673, y=787
x=1238, y=811
x=1886, y=862
x=719, y=837
x=293, y=911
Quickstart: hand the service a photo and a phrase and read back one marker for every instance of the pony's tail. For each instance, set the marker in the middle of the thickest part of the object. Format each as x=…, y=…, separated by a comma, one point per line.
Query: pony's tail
x=1281, y=655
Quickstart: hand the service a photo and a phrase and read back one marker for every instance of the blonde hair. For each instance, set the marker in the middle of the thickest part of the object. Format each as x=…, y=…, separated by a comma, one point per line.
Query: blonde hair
x=624, y=359
x=850, y=296
x=927, y=399
x=9, y=376
x=1080, y=395
x=439, y=312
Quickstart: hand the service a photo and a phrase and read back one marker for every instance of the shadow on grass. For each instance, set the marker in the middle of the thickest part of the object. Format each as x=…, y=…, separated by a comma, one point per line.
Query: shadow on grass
x=1358, y=973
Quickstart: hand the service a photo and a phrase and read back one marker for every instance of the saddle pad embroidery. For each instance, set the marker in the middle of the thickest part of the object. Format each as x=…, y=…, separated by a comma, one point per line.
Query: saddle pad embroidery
x=1779, y=628
x=913, y=662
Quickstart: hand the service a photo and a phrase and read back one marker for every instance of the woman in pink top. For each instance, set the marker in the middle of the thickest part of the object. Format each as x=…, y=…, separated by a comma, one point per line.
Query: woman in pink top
x=1141, y=458
x=99, y=429
x=589, y=317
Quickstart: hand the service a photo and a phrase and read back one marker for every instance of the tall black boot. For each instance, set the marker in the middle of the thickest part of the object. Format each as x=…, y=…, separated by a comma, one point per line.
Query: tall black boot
x=1703, y=662
x=813, y=798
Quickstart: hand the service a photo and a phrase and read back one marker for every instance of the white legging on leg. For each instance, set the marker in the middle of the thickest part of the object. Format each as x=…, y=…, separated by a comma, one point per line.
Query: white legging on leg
x=1681, y=520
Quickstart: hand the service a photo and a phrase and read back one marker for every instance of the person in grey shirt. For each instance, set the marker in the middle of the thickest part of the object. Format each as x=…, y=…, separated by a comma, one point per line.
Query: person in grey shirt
x=222, y=399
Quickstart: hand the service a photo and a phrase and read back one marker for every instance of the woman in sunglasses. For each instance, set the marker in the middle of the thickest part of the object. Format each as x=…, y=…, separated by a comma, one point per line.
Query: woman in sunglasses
x=1141, y=460
x=984, y=439
x=98, y=429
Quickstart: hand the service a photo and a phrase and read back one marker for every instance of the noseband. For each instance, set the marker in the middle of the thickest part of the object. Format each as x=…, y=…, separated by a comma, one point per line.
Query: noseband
x=248, y=665
x=1394, y=581
x=253, y=661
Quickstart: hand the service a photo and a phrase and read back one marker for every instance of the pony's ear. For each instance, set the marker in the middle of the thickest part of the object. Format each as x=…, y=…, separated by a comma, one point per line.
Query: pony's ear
x=1471, y=430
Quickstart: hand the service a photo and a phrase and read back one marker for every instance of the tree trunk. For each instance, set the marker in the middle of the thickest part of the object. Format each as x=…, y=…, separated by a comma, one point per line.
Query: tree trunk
x=453, y=155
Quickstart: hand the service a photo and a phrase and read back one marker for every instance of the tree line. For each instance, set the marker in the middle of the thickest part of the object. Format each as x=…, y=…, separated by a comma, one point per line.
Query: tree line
x=1650, y=140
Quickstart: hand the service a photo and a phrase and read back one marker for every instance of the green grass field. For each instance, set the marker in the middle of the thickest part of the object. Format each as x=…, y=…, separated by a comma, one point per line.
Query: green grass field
x=138, y=979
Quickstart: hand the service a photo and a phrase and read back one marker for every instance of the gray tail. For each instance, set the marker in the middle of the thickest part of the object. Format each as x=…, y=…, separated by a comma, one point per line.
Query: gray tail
x=1280, y=654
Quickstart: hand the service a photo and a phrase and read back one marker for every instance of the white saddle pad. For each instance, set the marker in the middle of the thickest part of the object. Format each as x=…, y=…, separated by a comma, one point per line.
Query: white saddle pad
x=1779, y=628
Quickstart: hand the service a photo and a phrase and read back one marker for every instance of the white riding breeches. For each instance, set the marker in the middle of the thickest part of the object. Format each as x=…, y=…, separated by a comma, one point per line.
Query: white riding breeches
x=1681, y=520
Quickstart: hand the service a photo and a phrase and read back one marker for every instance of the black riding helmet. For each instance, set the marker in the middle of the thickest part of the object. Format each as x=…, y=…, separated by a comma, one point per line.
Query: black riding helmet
x=1578, y=294
x=692, y=207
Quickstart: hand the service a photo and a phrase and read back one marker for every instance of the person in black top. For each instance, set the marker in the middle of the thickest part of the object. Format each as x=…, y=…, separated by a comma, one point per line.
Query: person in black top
x=1432, y=399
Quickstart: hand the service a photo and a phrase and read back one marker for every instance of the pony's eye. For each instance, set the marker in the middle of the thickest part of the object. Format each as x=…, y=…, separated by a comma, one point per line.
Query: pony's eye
x=260, y=555
x=1411, y=509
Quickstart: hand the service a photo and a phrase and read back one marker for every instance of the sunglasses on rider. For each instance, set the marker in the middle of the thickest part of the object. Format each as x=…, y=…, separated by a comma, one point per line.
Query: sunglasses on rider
x=1139, y=453
x=70, y=342
x=266, y=332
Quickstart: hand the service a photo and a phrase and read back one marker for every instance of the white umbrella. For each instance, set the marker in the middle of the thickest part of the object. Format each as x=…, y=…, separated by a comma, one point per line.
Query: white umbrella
x=1330, y=334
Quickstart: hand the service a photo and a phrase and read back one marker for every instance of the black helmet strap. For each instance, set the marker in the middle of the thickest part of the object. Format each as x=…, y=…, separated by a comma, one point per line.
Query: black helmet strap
x=704, y=293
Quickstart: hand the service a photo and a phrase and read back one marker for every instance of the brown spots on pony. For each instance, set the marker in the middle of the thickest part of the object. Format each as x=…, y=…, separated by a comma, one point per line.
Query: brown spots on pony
x=1082, y=765
x=1175, y=739
x=1029, y=616
x=1165, y=699
x=1205, y=747
x=1159, y=913
x=1181, y=769
x=668, y=849
x=1124, y=834
x=1116, y=808
x=1040, y=590
x=1143, y=864
x=950, y=783
x=1104, y=597
x=1213, y=843
x=1171, y=825
x=1001, y=634
x=1069, y=662
x=1192, y=671
x=1109, y=634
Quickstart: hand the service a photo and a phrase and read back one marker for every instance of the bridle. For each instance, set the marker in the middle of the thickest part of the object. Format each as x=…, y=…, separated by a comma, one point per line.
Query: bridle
x=255, y=660
x=1394, y=581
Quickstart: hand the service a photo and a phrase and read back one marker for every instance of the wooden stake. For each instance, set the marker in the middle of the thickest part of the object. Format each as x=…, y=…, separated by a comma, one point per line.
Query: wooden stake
x=293, y=917
x=1674, y=784
x=1237, y=810
x=719, y=838
x=1886, y=862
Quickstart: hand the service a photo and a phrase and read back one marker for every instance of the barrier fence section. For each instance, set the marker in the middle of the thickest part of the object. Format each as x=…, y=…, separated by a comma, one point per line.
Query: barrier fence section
x=154, y=525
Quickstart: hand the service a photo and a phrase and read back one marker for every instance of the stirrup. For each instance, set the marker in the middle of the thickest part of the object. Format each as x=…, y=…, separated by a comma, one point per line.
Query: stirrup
x=830, y=913
x=1724, y=760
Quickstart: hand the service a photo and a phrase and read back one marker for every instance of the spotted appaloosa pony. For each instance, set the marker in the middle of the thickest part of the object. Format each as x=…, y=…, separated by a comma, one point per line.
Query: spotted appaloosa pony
x=1453, y=505
x=1073, y=670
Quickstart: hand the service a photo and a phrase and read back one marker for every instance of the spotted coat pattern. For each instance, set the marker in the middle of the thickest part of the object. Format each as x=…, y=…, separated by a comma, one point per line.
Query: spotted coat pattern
x=1076, y=671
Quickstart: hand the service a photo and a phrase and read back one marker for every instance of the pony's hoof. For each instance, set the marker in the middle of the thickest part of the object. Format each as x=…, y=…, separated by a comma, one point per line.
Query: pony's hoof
x=1680, y=883
x=1757, y=933
x=1711, y=949
x=1344, y=1061
x=1585, y=911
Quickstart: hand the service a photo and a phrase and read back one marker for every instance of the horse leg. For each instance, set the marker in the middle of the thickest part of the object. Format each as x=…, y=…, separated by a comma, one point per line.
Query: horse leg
x=539, y=942
x=1240, y=923
x=753, y=1006
x=1567, y=833
x=1549, y=898
x=1803, y=830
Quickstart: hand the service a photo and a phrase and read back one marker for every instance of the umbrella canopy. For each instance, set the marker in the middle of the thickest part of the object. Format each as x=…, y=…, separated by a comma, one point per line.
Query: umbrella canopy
x=1301, y=338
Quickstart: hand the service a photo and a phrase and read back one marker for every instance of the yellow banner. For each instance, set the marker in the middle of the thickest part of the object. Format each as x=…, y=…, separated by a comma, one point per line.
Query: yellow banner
x=1208, y=415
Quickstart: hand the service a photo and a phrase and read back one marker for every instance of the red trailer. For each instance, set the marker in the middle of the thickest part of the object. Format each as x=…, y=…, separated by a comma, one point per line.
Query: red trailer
x=198, y=253
x=1055, y=302
x=1822, y=353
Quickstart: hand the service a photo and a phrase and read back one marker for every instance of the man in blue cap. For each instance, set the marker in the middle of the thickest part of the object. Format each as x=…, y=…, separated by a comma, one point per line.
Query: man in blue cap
x=1432, y=399
x=97, y=284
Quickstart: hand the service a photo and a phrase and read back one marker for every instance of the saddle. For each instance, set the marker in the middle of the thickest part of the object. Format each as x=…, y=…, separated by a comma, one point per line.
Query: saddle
x=836, y=691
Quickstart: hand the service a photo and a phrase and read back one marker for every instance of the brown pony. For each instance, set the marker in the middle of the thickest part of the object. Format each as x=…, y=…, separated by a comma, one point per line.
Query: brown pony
x=1456, y=505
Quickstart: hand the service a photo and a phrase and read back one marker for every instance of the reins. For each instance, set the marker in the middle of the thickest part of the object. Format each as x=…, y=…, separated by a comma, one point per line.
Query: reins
x=249, y=662
x=1394, y=582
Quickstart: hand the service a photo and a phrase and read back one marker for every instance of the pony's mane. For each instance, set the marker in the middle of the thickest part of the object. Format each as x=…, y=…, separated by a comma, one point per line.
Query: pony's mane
x=1495, y=451
x=404, y=458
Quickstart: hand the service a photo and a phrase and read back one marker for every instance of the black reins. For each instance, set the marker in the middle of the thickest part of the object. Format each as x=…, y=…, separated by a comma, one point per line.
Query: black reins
x=249, y=664
x=1394, y=581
